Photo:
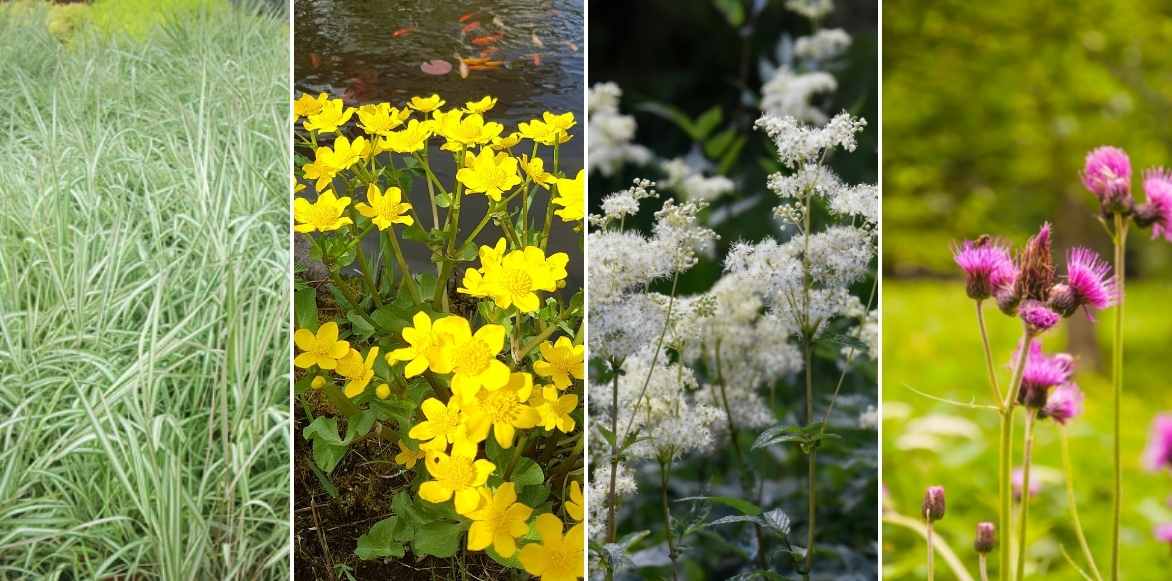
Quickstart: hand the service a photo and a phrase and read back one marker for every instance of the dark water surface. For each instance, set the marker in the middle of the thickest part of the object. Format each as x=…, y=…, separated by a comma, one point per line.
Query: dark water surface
x=366, y=51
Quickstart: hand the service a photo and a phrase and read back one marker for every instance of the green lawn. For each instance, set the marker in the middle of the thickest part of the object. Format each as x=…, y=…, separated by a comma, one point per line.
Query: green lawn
x=144, y=298
x=931, y=344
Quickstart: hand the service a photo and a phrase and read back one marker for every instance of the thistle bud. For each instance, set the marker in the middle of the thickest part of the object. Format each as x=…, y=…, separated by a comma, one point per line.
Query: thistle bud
x=1147, y=214
x=986, y=537
x=933, y=503
x=1063, y=299
x=1037, y=267
x=1008, y=301
x=1038, y=317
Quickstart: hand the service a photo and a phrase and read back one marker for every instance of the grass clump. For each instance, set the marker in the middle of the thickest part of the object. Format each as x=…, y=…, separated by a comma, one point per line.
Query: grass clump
x=144, y=299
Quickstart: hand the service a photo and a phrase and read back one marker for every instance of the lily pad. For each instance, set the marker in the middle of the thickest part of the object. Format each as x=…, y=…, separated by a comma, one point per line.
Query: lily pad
x=436, y=67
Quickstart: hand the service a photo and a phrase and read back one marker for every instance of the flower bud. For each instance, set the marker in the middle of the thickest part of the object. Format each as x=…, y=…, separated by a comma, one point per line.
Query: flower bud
x=317, y=382
x=986, y=537
x=1147, y=214
x=1038, y=317
x=934, y=503
x=1063, y=299
x=1037, y=267
x=1008, y=301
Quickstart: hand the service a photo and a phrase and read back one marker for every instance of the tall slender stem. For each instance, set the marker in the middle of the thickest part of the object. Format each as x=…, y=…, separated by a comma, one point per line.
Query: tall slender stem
x=989, y=367
x=365, y=267
x=664, y=473
x=1023, y=526
x=1005, y=461
x=408, y=279
x=983, y=567
x=931, y=552
x=811, y=463
x=762, y=557
x=1070, y=499
x=612, y=499
x=1120, y=239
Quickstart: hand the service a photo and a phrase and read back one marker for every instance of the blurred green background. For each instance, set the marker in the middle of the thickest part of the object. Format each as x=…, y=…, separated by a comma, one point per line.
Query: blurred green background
x=989, y=109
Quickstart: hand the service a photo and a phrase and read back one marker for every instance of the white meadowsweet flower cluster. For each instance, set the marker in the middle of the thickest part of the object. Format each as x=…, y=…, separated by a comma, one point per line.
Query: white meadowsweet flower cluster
x=860, y=200
x=789, y=94
x=824, y=45
x=812, y=9
x=611, y=132
x=691, y=184
x=799, y=144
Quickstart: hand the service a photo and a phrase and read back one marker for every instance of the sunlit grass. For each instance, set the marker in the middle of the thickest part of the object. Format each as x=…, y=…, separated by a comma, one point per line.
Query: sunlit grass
x=931, y=345
x=144, y=300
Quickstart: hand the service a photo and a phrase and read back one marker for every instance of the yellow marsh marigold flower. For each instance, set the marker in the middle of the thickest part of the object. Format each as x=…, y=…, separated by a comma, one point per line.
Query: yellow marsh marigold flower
x=464, y=132
x=329, y=161
x=381, y=118
x=555, y=413
x=409, y=140
x=550, y=129
x=508, y=142
x=323, y=215
x=383, y=391
x=457, y=475
x=557, y=557
x=489, y=173
x=506, y=409
x=443, y=426
x=426, y=104
x=322, y=349
x=473, y=356
x=560, y=361
x=484, y=105
x=499, y=521
x=575, y=505
x=386, y=208
x=426, y=351
x=535, y=169
x=307, y=105
x=358, y=370
x=571, y=198
x=406, y=456
x=515, y=278
x=333, y=113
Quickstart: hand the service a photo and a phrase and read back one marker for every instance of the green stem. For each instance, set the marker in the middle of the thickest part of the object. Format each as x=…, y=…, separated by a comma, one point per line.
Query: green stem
x=518, y=451
x=664, y=472
x=408, y=279
x=931, y=553
x=365, y=267
x=1072, y=501
x=1120, y=239
x=940, y=545
x=1023, y=526
x=983, y=566
x=423, y=161
x=1005, y=462
x=811, y=463
x=612, y=499
x=989, y=367
x=549, y=204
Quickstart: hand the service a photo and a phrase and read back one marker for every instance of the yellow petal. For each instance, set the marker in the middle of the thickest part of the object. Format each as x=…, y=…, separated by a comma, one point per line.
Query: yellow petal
x=435, y=492
x=479, y=536
x=467, y=500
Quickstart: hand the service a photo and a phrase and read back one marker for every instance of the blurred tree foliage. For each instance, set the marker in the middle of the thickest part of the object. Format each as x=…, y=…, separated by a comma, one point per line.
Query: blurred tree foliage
x=990, y=107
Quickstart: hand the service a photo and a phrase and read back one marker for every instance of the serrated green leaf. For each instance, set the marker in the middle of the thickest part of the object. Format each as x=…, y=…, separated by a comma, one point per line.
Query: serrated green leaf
x=742, y=506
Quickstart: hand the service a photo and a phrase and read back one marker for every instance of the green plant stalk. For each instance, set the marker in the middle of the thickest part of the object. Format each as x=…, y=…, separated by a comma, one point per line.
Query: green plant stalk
x=518, y=451
x=811, y=463
x=1072, y=501
x=612, y=499
x=1026, y=457
x=762, y=557
x=441, y=283
x=408, y=279
x=1005, y=456
x=983, y=566
x=1120, y=243
x=549, y=203
x=365, y=267
x=939, y=544
x=423, y=161
x=931, y=552
x=989, y=367
x=672, y=553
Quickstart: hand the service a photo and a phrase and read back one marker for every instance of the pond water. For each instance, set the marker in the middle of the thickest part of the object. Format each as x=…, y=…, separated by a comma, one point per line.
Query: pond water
x=530, y=54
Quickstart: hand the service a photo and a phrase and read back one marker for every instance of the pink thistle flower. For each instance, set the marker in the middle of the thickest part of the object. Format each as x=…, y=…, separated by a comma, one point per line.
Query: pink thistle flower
x=1107, y=174
x=1018, y=480
x=987, y=267
x=1038, y=317
x=1088, y=283
x=1158, y=454
x=934, y=505
x=1163, y=532
x=1157, y=212
x=1064, y=403
x=1043, y=372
